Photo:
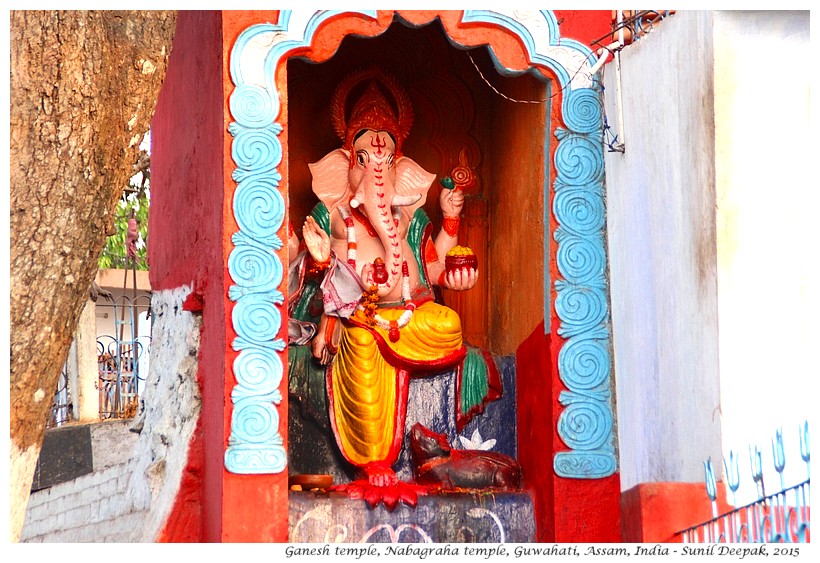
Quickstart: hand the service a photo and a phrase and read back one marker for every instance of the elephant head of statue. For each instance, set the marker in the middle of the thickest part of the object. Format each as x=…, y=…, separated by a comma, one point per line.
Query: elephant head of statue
x=369, y=171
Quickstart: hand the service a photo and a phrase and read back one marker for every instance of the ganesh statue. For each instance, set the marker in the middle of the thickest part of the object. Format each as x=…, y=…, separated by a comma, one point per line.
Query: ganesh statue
x=369, y=257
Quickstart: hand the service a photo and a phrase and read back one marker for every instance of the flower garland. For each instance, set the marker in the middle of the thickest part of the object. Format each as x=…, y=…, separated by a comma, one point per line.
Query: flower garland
x=370, y=297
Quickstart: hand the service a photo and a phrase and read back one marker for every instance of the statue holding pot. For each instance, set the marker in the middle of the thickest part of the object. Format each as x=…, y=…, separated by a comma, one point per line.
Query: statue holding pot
x=369, y=248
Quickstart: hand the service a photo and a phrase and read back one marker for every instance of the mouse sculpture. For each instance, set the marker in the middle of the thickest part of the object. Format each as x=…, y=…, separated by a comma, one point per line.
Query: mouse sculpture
x=438, y=466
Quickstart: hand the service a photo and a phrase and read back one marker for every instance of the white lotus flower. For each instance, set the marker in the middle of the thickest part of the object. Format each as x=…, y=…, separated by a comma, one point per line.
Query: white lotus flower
x=476, y=442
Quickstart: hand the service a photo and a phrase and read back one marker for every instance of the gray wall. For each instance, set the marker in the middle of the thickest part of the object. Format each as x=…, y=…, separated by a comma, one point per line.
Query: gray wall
x=661, y=236
x=714, y=293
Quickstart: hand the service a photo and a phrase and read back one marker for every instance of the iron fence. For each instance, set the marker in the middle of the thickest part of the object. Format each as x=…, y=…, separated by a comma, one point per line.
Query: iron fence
x=61, y=408
x=781, y=517
x=122, y=358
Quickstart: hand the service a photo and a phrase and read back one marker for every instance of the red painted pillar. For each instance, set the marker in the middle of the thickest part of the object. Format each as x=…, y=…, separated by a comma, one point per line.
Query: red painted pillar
x=585, y=510
x=254, y=507
x=566, y=510
x=535, y=441
x=185, y=242
x=191, y=225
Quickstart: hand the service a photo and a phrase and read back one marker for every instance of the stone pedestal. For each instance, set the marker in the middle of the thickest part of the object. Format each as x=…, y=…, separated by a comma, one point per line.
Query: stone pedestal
x=457, y=517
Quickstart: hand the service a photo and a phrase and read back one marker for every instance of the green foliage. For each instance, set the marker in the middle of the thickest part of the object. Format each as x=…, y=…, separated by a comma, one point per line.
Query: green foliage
x=114, y=254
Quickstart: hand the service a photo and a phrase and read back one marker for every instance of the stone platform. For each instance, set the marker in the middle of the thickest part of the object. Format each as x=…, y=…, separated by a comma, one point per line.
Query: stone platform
x=450, y=518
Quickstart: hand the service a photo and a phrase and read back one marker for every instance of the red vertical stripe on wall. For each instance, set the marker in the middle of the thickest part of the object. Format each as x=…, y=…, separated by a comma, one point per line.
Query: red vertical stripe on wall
x=185, y=235
x=535, y=437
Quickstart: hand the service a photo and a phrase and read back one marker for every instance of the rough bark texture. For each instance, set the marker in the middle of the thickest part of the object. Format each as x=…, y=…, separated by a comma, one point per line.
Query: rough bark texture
x=83, y=90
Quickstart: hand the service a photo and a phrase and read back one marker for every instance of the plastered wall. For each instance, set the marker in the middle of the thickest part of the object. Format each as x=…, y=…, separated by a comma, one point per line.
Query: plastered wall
x=709, y=214
x=768, y=284
x=663, y=267
x=136, y=478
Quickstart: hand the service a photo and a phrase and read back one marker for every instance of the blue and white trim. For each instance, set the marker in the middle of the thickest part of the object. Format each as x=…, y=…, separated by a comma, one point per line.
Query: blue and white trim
x=582, y=299
x=582, y=304
x=255, y=445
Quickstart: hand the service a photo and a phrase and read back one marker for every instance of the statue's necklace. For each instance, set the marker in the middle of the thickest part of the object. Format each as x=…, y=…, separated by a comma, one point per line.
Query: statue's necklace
x=392, y=327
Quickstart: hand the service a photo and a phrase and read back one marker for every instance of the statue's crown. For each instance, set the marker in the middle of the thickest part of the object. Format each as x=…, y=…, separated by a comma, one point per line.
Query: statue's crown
x=372, y=109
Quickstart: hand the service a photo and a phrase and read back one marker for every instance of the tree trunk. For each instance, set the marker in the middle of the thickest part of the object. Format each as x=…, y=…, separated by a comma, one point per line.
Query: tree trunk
x=84, y=85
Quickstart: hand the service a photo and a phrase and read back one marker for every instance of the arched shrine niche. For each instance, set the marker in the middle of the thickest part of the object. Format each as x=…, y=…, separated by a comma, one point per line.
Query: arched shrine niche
x=462, y=125
x=537, y=228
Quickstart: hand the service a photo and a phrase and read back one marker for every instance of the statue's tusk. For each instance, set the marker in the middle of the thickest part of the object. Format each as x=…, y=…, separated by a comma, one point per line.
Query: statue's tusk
x=357, y=198
x=404, y=200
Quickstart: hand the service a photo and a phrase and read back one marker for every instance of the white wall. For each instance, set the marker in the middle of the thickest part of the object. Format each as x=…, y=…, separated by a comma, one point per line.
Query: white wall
x=767, y=231
x=661, y=236
x=714, y=296
x=136, y=478
x=87, y=395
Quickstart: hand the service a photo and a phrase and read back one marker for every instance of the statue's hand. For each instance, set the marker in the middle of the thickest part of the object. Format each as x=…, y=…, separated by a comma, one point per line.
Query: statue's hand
x=452, y=202
x=367, y=275
x=316, y=240
x=461, y=279
x=320, y=351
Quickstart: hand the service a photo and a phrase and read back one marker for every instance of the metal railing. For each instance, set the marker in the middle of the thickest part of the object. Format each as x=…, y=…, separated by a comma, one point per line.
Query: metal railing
x=629, y=26
x=122, y=359
x=781, y=517
x=61, y=404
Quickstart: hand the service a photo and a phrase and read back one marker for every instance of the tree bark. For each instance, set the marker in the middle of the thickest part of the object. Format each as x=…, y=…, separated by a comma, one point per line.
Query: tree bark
x=84, y=85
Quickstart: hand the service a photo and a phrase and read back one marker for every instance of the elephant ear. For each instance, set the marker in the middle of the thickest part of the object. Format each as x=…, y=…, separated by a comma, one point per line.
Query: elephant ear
x=330, y=178
x=412, y=180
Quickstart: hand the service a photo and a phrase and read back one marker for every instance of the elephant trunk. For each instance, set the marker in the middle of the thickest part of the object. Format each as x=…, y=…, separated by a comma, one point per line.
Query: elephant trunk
x=379, y=210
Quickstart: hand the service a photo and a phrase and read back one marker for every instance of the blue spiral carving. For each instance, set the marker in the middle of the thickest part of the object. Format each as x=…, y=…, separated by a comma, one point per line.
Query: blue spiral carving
x=251, y=106
x=579, y=308
x=580, y=260
x=258, y=206
x=585, y=465
x=254, y=421
x=579, y=160
x=580, y=210
x=256, y=458
x=258, y=150
x=255, y=318
x=585, y=424
x=585, y=363
x=583, y=110
x=581, y=302
x=255, y=269
x=258, y=372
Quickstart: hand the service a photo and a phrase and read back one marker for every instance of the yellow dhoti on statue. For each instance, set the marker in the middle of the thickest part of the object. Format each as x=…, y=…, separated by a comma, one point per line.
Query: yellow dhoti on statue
x=369, y=378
